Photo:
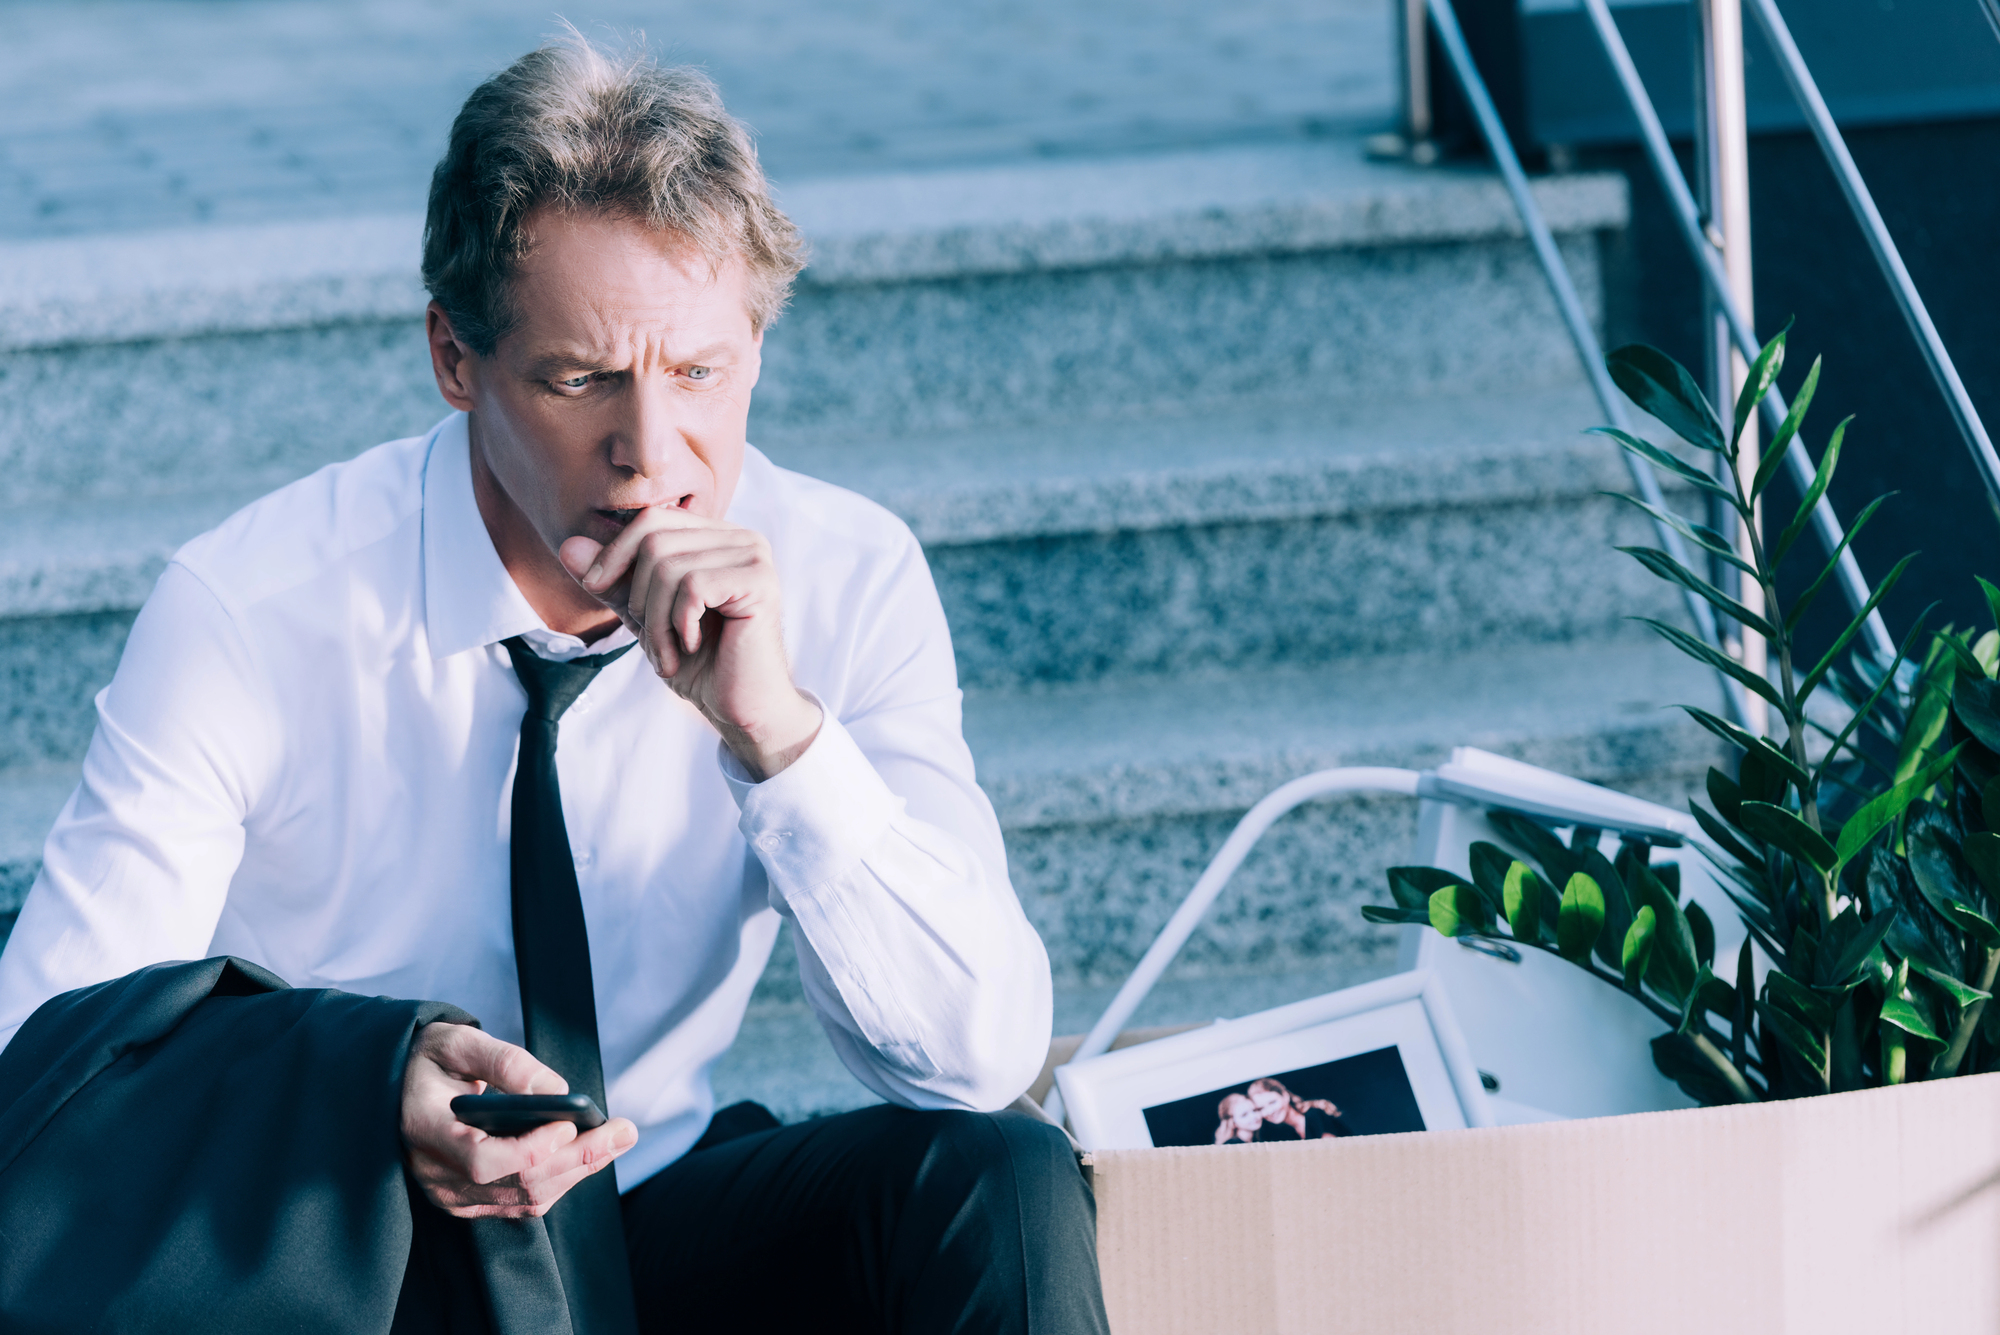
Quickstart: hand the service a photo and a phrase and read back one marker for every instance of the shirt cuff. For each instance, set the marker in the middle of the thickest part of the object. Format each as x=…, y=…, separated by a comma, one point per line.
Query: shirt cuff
x=814, y=819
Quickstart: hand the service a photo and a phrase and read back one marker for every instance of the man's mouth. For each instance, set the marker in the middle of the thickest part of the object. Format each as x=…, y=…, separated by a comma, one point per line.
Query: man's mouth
x=624, y=515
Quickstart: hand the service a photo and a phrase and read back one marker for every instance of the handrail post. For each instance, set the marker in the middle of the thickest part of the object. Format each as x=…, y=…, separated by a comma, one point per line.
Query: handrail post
x=1709, y=262
x=1722, y=157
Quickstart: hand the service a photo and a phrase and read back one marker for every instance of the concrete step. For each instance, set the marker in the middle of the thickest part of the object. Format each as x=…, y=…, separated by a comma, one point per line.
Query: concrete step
x=1246, y=536
x=1113, y=797
x=30, y=798
x=1289, y=533
x=1065, y=291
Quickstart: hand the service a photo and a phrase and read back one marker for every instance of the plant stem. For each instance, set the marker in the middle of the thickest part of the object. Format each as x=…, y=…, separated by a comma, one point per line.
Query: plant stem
x=1724, y=1068
x=1968, y=1019
x=1895, y=1056
x=1795, y=732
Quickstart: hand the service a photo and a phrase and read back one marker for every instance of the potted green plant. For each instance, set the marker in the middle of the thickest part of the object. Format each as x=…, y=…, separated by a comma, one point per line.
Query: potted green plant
x=1862, y=857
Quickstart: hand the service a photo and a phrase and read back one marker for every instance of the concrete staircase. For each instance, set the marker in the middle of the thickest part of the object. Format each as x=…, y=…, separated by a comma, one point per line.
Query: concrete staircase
x=1230, y=465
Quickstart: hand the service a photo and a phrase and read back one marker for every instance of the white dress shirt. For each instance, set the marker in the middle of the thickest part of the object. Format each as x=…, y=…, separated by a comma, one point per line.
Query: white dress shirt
x=307, y=754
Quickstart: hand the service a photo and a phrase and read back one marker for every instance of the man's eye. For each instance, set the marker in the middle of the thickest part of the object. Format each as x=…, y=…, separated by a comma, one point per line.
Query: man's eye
x=575, y=382
x=700, y=372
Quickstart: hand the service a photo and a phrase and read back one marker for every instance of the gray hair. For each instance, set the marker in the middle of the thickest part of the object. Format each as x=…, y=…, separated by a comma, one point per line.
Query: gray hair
x=566, y=127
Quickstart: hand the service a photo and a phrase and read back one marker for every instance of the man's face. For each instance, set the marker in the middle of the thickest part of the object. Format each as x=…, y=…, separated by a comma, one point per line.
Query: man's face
x=625, y=383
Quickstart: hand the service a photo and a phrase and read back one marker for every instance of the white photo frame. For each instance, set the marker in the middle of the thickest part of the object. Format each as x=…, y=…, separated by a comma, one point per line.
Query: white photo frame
x=1116, y=1099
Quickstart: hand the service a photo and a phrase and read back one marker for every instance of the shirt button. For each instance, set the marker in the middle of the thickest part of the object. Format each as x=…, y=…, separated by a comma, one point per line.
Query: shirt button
x=770, y=842
x=583, y=859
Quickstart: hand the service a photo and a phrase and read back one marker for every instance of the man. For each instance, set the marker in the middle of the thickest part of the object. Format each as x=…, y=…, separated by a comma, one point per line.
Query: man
x=379, y=732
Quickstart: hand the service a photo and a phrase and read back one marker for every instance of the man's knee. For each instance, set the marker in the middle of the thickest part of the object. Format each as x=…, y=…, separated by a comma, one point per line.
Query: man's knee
x=1007, y=1156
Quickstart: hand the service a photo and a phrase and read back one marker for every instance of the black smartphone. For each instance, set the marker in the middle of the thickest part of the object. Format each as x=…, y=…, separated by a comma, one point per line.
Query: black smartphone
x=518, y=1114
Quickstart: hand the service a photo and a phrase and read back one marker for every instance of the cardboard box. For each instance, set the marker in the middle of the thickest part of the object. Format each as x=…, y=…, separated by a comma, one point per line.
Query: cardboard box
x=1873, y=1212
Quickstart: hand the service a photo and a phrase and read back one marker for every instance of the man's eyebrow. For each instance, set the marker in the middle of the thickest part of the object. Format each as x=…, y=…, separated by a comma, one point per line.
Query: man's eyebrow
x=546, y=365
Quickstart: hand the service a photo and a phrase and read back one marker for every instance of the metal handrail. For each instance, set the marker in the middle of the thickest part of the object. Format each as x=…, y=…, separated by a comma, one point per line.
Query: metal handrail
x=1355, y=779
x=1854, y=587
x=1806, y=92
x=1452, y=39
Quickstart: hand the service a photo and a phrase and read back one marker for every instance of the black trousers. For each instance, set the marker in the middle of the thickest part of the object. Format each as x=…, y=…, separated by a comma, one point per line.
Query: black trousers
x=882, y=1220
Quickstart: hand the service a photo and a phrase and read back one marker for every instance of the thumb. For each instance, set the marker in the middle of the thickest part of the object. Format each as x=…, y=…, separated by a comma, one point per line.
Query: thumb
x=577, y=553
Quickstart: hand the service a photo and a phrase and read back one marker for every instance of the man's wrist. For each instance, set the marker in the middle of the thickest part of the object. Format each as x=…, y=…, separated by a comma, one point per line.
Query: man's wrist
x=769, y=746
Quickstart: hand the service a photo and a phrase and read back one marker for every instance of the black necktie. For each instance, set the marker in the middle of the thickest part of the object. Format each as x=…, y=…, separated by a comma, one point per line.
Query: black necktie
x=558, y=1001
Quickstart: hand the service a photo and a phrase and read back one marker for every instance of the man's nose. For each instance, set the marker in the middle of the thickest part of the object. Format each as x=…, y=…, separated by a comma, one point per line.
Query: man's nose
x=649, y=440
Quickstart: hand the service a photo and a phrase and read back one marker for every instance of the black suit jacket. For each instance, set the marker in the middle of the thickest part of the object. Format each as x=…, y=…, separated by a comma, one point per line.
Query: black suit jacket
x=199, y=1147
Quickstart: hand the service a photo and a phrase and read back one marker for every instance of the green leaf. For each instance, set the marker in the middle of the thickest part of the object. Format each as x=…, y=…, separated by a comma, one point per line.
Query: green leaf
x=1774, y=453
x=1673, y=967
x=1735, y=736
x=1975, y=924
x=1809, y=1047
x=1660, y=458
x=1880, y=812
x=1962, y=992
x=1784, y=830
x=1681, y=1060
x=1412, y=887
x=1666, y=568
x=1849, y=944
x=1820, y=669
x=1663, y=388
x=1523, y=900
x=1556, y=861
x=1920, y=931
x=1763, y=374
x=1906, y=1017
x=1580, y=918
x=1982, y=854
x=1977, y=704
x=1803, y=515
x=1798, y=1000
x=1716, y=659
x=1376, y=913
x=1489, y=871
x=1712, y=994
x=1723, y=793
x=1638, y=949
x=1832, y=566
x=1457, y=910
x=1937, y=863
x=1723, y=836
x=1867, y=707
x=1986, y=652
x=1618, y=905
x=1701, y=535
x=1992, y=599
x=1704, y=934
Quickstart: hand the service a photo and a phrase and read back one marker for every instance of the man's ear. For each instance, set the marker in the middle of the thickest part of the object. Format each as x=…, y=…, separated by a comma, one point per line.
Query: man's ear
x=452, y=362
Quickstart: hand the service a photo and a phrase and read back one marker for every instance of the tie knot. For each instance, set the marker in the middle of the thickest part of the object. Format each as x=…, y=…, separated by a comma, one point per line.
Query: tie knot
x=553, y=687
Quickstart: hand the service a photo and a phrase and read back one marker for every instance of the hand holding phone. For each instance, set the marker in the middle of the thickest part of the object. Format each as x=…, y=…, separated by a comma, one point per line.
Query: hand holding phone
x=517, y=1114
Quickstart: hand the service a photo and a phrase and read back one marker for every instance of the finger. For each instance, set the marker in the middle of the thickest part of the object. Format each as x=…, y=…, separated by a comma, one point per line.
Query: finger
x=592, y=1152
x=698, y=589
x=660, y=641
x=615, y=559
x=474, y=1054
x=667, y=554
x=492, y=1158
x=578, y=554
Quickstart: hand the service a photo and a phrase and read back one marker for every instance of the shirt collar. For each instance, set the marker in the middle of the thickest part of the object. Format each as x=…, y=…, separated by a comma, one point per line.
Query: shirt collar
x=470, y=600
